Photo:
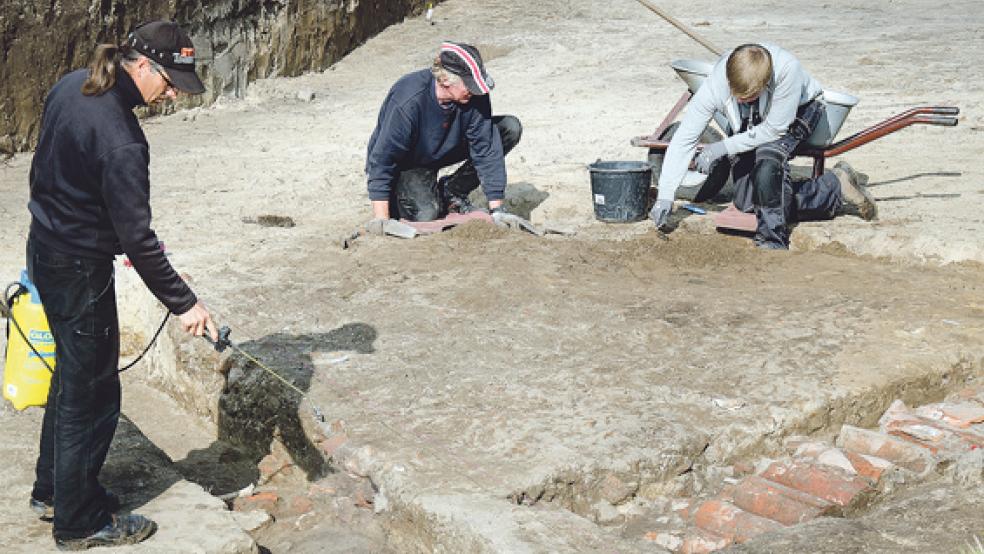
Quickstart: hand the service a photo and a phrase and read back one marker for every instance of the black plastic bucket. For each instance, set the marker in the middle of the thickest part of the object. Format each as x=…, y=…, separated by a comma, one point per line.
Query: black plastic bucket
x=620, y=190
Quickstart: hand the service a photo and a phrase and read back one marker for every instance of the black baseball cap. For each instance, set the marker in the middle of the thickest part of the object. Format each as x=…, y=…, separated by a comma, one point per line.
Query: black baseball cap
x=464, y=61
x=170, y=47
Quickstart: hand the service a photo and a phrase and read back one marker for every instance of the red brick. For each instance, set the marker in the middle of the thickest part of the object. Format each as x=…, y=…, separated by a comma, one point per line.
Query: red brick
x=895, y=450
x=332, y=443
x=269, y=466
x=962, y=414
x=779, y=503
x=732, y=218
x=266, y=501
x=936, y=436
x=699, y=541
x=869, y=467
x=828, y=483
x=731, y=522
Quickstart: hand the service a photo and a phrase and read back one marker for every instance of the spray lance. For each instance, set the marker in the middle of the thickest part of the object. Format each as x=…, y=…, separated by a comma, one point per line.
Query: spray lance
x=224, y=342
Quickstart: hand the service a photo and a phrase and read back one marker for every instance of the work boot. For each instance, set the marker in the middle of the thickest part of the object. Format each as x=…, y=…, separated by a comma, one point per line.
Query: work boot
x=46, y=508
x=122, y=530
x=460, y=205
x=853, y=193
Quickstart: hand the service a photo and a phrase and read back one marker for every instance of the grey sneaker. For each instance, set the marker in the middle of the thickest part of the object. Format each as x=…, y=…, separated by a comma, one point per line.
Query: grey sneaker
x=44, y=508
x=854, y=194
x=122, y=530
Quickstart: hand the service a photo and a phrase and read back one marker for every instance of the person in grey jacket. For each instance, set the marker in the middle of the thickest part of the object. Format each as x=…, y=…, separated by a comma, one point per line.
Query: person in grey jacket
x=771, y=105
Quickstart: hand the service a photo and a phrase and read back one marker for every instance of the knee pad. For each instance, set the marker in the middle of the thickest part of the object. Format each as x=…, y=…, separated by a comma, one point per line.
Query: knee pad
x=510, y=129
x=427, y=212
x=767, y=178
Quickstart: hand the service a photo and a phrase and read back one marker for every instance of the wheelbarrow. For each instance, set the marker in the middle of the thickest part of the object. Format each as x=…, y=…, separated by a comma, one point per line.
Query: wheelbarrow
x=819, y=145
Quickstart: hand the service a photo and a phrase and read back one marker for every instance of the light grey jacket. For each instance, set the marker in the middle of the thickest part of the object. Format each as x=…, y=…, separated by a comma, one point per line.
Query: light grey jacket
x=791, y=87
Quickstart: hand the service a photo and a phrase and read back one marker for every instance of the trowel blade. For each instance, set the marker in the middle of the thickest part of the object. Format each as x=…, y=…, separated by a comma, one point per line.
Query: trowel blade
x=395, y=228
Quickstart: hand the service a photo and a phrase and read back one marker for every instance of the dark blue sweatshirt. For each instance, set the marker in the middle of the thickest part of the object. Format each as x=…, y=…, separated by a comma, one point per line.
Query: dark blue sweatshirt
x=415, y=131
x=90, y=183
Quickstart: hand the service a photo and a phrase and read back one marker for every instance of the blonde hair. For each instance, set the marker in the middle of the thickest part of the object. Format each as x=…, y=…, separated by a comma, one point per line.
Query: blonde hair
x=443, y=76
x=106, y=58
x=749, y=69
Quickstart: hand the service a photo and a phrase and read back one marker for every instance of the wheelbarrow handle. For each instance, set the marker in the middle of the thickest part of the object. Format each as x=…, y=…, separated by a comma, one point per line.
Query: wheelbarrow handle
x=945, y=110
x=938, y=120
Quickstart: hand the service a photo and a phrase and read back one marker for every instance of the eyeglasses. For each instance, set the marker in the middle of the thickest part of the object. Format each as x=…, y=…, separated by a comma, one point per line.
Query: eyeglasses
x=167, y=81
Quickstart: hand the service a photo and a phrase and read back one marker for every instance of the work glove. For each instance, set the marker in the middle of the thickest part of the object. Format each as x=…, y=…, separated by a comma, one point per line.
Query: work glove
x=708, y=155
x=504, y=219
x=660, y=214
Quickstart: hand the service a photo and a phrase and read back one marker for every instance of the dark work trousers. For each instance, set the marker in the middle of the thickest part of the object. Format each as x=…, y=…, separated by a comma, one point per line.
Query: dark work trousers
x=763, y=184
x=417, y=196
x=79, y=299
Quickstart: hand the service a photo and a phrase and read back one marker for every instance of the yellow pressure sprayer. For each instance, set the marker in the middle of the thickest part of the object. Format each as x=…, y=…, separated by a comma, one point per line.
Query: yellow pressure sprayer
x=30, y=348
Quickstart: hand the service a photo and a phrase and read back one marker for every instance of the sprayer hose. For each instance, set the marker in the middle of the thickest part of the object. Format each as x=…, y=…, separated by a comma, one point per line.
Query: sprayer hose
x=8, y=312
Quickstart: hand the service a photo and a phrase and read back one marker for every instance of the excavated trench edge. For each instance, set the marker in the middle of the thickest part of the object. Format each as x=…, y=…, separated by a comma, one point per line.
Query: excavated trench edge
x=862, y=409
x=411, y=525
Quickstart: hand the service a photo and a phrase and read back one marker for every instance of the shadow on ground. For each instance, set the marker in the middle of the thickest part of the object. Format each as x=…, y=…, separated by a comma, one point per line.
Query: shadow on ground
x=255, y=408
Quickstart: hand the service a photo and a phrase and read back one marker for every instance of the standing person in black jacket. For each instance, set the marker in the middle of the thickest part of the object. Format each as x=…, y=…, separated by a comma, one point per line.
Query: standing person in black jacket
x=431, y=119
x=90, y=192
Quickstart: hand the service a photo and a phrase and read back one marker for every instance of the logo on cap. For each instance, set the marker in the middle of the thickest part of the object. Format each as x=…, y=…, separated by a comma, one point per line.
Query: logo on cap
x=186, y=55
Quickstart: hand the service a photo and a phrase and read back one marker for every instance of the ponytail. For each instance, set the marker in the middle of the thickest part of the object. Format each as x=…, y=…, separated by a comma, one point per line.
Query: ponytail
x=102, y=70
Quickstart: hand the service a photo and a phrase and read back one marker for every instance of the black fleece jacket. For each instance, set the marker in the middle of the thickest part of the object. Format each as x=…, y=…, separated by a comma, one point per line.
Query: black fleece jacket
x=90, y=183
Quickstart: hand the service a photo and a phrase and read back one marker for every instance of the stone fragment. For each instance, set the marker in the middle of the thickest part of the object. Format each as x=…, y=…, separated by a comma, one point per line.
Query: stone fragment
x=830, y=484
x=668, y=541
x=364, y=495
x=963, y=414
x=731, y=522
x=301, y=504
x=306, y=95
x=253, y=520
x=793, y=442
x=968, y=469
x=811, y=449
x=614, y=490
x=699, y=541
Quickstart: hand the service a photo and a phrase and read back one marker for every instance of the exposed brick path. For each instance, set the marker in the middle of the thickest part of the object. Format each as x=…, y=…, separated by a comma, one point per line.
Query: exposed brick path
x=820, y=479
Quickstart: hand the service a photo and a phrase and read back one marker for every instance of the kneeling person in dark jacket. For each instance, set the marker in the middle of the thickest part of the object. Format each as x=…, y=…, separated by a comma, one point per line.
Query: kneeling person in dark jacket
x=90, y=200
x=433, y=119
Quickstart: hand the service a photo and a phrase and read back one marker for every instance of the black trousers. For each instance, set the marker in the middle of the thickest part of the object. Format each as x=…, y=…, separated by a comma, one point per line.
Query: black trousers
x=417, y=195
x=763, y=184
x=79, y=298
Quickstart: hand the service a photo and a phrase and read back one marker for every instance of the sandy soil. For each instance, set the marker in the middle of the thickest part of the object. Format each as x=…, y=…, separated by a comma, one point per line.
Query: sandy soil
x=567, y=313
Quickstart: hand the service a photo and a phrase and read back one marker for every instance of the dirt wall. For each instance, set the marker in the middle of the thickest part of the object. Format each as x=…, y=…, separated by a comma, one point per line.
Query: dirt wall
x=238, y=41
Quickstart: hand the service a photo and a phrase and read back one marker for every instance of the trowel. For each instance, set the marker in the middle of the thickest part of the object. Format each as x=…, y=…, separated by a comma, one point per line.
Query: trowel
x=391, y=227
